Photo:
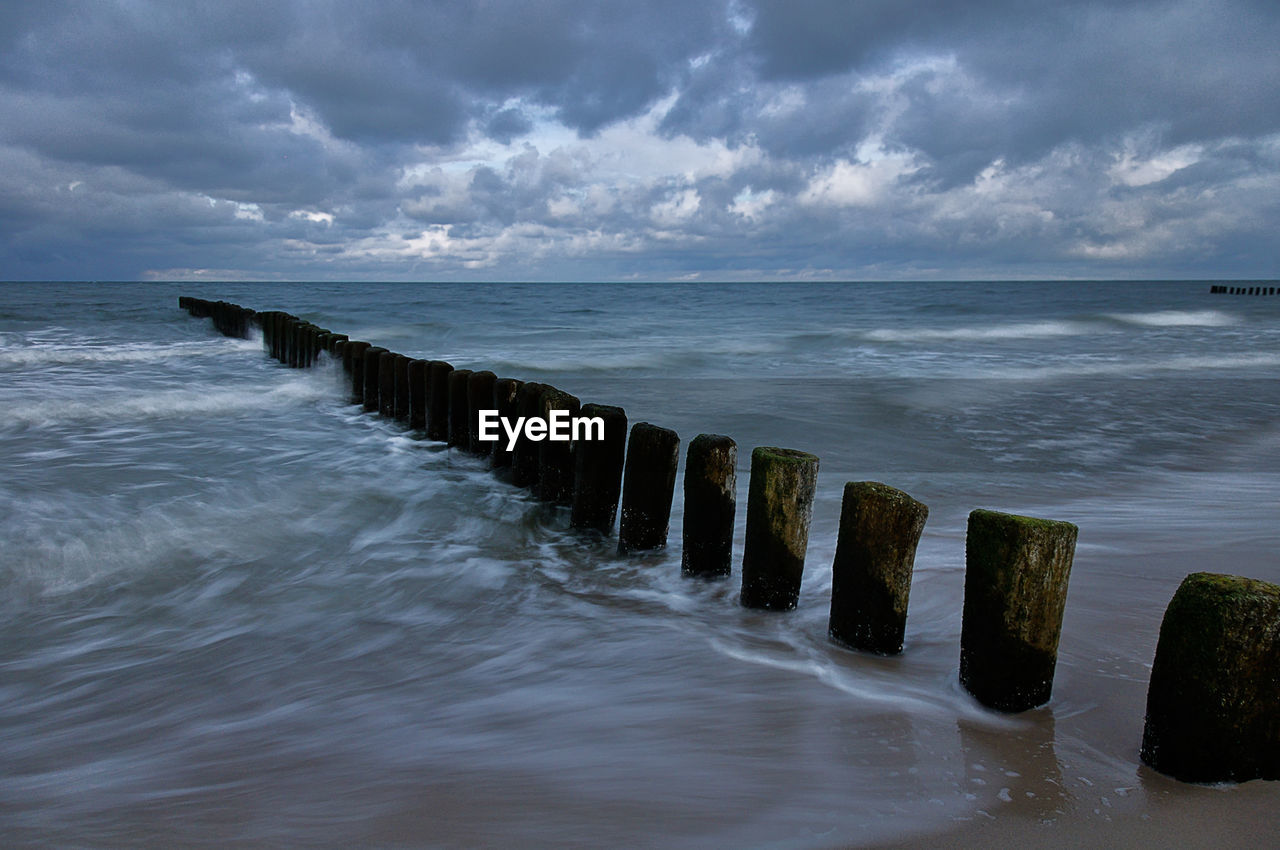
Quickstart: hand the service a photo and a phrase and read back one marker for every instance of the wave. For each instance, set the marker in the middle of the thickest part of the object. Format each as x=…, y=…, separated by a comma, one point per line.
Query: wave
x=1024, y=330
x=25, y=357
x=1176, y=318
x=168, y=404
x=1134, y=368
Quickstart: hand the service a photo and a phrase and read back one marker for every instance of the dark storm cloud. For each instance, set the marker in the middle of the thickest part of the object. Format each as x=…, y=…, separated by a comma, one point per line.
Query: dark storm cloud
x=585, y=139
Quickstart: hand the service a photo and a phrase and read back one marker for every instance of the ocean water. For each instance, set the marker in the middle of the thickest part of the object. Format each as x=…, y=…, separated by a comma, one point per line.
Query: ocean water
x=237, y=611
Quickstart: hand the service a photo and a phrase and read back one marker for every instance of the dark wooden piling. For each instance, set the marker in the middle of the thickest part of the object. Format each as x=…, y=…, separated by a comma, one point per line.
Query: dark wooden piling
x=779, y=507
x=649, y=483
x=387, y=383
x=555, y=457
x=524, y=458
x=459, y=422
x=505, y=392
x=372, y=372
x=353, y=358
x=710, y=504
x=401, y=398
x=597, y=465
x=871, y=575
x=479, y=397
x=1213, y=704
x=1015, y=590
x=418, y=389
x=438, y=400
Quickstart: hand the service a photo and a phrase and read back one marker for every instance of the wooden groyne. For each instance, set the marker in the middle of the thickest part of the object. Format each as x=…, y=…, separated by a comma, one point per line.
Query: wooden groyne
x=1214, y=703
x=1226, y=289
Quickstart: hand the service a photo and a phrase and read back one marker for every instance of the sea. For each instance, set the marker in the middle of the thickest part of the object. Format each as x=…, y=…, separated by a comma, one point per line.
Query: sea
x=238, y=611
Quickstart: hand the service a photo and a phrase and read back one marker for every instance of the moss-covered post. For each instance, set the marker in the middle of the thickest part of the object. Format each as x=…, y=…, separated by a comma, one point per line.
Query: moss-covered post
x=479, y=397
x=401, y=400
x=524, y=459
x=779, y=507
x=597, y=469
x=505, y=392
x=710, y=503
x=418, y=387
x=1213, y=705
x=372, y=367
x=649, y=483
x=871, y=576
x=438, y=400
x=459, y=425
x=1015, y=590
x=555, y=457
x=354, y=359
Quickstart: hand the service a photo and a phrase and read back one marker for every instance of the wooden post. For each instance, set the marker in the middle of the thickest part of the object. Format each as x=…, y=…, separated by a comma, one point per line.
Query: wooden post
x=524, y=459
x=438, y=400
x=779, y=507
x=1015, y=590
x=710, y=503
x=649, y=483
x=1213, y=705
x=387, y=383
x=479, y=397
x=372, y=369
x=871, y=575
x=418, y=388
x=555, y=458
x=505, y=391
x=597, y=476
x=459, y=427
x=353, y=358
x=401, y=399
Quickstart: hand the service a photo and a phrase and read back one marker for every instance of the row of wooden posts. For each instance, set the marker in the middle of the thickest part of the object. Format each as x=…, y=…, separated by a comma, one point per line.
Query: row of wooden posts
x=1219, y=289
x=1213, y=710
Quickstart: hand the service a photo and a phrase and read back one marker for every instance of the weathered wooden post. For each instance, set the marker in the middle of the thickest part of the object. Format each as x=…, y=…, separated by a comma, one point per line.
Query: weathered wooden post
x=871, y=575
x=387, y=383
x=779, y=507
x=1015, y=590
x=438, y=400
x=354, y=358
x=459, y=426
x=372, y=369
x=418, y=388
x=505, y=391
x=555, y=457
x=524, y=459
x=400, y=403
x=479, y=397
x=597, y=476
x=710, y=503
x=649, y=483
x=1213, y=705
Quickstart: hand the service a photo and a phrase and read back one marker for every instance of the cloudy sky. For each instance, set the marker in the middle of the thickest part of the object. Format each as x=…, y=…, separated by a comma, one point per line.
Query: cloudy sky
x=559, y=139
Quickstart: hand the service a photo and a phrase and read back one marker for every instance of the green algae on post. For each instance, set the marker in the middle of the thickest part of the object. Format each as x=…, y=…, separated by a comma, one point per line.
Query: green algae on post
x=779, y=507
x=648, y=487
x=880, y=527
x=1015, y=591
x=710, y=503
x=1213, y=704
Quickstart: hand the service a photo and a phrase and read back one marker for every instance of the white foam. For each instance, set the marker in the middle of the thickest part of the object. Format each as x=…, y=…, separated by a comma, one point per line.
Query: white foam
x=1023, y=330
x=122, y=407
x=1176, y=318
x=26, y=357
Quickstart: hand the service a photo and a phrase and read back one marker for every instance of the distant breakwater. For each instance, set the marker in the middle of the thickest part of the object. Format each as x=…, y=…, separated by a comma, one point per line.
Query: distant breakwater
x=1207, y=720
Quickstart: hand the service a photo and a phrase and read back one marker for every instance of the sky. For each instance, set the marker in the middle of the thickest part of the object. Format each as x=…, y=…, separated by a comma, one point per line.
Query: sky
x=479, y=140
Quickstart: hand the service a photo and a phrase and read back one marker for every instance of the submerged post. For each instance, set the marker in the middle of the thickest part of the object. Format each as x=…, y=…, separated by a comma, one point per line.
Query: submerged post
x=459, y=428
x=779, y=507
x=649, y=483
x=1015, y=590
x=597, y=470
x=555, y=457
x=871, y=575
x=710, y=503
x=1213, y=705
x=438, y=400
